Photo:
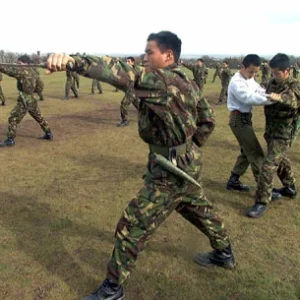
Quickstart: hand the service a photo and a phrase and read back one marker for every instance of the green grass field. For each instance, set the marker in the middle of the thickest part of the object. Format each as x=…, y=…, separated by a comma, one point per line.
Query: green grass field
x=60, y=201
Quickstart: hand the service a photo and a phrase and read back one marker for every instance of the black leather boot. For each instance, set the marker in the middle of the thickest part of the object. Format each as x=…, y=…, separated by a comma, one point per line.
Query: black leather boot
x=234, y=183
x=47, y=136
x=224, y=258
x=287, y=191
x=9, y=142
x=257, y=210
x=107, y=291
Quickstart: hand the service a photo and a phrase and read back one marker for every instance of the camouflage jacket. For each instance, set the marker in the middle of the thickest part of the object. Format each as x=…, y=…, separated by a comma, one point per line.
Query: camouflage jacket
x=39, y=82
x=282, y=119
x=170, y=111
x=199, y=73
x=225, y=75
x=26, y=78
x=265, y=72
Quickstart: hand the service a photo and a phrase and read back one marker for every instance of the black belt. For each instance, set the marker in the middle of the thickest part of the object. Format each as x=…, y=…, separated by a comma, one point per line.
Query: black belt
x=171, y=152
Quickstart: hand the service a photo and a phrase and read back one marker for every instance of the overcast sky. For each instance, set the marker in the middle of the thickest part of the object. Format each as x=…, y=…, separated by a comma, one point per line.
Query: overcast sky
x=122, y=26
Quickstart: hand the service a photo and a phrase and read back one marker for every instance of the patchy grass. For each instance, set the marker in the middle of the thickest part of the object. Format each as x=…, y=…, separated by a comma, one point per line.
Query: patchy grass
x=60, y=201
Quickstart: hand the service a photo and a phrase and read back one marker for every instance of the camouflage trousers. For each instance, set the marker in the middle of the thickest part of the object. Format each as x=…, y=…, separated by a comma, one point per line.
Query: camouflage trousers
x=200, y=85
x=19, y=112
x=216, y=74
x=2, y=98
x=223, y=94
x=161, y=194
x=126, y=101
x=275, y=161
x=96, y=84
x=70, y=85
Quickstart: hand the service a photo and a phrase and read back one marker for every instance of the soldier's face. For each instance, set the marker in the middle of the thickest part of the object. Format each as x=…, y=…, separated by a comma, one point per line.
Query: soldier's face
x=279, y=75
x=155, y=58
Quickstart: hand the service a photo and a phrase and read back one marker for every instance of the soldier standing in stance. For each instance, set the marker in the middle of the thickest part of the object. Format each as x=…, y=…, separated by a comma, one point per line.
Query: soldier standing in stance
x=295, y=69
x=71, y=83
x=225, y=75
x=26, y=85
x=217, y=72
x=2, y=98
x=96, y=85
x=127, y=99
x=174, y=121
x=39, y=85
x=282, y=126
x=199, y=72
x=265, y=74
x=243, y=93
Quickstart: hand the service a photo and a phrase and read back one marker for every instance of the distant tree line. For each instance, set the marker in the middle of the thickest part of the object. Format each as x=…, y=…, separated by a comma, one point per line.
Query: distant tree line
x=210, y=62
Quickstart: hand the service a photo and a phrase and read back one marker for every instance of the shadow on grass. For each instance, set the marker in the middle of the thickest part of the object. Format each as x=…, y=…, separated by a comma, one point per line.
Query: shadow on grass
x=42, y=235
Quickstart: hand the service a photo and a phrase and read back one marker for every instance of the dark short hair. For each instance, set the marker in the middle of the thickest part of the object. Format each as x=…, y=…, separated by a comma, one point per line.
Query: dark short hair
x=280, y=61
x=200, y=59
x=225, y=62
x=251, y=59
x=25, y=59
x=167, y=40
x=130, y=58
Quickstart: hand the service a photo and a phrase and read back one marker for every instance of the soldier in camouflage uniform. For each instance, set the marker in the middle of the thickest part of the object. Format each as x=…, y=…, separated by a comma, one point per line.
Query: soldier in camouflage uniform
x=225, y=74
x=295, y=69
x=71, y=83
x=265, y=74
x=96, y=85
x=282, y=126
x=39, y=85
x=174, y=121
x=200, y=72
x=217, y=72
x=26, y=85
x=2, y=98
x=127, y=99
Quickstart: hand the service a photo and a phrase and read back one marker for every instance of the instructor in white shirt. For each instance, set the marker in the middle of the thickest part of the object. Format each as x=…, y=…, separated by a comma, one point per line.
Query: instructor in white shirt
x=243, y=93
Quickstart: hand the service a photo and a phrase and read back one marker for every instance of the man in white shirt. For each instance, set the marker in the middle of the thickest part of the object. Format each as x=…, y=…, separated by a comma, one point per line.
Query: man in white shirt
x=243, y=93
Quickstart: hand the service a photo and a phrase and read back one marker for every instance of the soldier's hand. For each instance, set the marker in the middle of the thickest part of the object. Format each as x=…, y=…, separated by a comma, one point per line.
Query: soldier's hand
x=274, y=97
x=58, y=62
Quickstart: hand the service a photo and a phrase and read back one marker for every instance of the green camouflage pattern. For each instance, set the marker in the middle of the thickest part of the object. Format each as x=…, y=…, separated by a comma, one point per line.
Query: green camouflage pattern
x=217, y=72
x=170, y=113
x=282, y=127
x=225, y=75
x=276, y=161
x=71, y=83
x=39, y=85
x=26, y=85
x=282, y=118
x=200, y=74
x=265, y=75
x=96, y=85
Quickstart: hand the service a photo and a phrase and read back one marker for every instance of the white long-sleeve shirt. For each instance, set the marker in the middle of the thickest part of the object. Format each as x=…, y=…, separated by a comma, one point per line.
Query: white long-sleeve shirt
x=244, y=93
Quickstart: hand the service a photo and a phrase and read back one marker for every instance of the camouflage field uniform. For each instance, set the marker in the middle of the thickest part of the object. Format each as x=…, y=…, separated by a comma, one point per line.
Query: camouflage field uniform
x=225, y=78
x=265, y=75
x=39, y=85
x=26, y=85
x=200, y=74
x=217, y=72
x=71, y=83
x=173, y=122
x=96, y=85
x=295, y=69
x=282, y=126
x=2, y=98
